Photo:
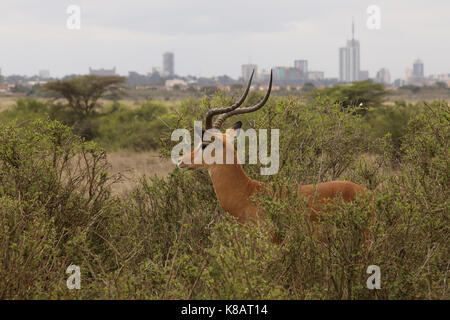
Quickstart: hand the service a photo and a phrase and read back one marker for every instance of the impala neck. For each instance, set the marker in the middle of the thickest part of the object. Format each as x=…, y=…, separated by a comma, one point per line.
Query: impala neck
x=233, y=189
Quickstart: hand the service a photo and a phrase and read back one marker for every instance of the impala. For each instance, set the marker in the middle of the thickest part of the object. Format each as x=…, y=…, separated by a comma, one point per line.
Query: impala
x=234, y=189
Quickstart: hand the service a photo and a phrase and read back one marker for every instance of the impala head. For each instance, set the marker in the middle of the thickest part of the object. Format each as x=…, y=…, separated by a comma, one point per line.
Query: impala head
x=213, y=134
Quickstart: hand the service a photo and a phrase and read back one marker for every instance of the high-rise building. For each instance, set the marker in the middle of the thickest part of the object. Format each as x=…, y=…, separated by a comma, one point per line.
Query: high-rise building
x=416, y=76
x=383, y=76
x=418, y=68
x=168, y=64
x=408, y=73
x=287, y=76
x=302, y=65
x=349, y=63
x=343, y=70
x=247, y=70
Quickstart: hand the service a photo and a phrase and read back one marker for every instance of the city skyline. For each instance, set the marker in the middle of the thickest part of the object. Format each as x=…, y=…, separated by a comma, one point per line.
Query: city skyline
x=216, y=39
x=295, y=75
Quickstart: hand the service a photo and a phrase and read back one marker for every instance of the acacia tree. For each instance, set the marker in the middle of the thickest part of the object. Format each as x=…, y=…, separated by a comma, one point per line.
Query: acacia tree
x=82, y=93
x=362, y=93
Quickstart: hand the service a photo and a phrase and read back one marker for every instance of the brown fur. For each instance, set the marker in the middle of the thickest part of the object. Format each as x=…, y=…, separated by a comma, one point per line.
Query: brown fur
x=234, y=189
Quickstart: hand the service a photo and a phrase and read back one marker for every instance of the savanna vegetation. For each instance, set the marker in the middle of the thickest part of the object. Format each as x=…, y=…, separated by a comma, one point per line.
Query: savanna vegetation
x=167, y=238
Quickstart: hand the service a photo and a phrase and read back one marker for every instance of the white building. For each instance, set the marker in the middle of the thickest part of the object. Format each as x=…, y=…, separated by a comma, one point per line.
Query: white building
x=170, y=84
x=349, y=62
x=383, y=76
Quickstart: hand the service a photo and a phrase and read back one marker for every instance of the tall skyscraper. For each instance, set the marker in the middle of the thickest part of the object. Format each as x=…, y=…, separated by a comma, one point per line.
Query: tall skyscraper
x=349, y=64
x=302, y=65
x=343, y=69
x=247, y=70
x=416, y=76
x=418, y=68
x=168, y=64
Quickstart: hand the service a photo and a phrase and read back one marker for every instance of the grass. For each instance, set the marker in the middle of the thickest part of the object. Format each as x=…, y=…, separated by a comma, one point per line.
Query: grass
x=6, y=103
x=134, y=165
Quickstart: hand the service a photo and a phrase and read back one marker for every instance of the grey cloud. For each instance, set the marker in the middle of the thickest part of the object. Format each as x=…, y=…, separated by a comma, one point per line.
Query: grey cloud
x=216, y=36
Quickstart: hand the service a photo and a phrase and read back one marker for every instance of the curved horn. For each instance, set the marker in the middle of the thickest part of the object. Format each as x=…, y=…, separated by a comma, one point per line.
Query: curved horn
x=218, y=123
x=211, y=113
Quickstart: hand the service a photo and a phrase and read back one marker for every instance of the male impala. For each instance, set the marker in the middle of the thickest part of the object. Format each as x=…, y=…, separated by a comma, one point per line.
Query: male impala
x=234, y=188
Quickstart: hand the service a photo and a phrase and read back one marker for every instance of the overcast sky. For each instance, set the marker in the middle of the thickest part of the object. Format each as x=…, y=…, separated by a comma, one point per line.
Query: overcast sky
x=214, y=37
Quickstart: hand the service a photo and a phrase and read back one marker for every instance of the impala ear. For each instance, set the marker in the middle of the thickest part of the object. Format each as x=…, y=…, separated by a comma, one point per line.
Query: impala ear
x=237, y=125
x=236, y=128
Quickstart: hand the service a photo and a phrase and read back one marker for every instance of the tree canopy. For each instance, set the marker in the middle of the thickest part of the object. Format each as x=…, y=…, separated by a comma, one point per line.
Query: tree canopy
x=363, y=93
x=82, y=93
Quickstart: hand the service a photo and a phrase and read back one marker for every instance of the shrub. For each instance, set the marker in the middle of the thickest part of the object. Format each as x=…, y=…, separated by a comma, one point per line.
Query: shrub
x=138, y=129
x=82, y=93
x=117, y=127
x=392, y=121
x=25, y=109
x=52, y=187
x=364, y=93
x=169, y=239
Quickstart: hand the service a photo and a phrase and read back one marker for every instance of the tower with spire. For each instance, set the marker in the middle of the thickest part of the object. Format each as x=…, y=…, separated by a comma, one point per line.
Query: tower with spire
x=349, y=66
x=353, y=29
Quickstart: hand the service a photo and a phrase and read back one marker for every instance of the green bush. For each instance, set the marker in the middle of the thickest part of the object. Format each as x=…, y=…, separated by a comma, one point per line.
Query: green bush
x=24, y=110
x=169, y=239
x=138, y=129
x=393, y=121
x=362, y=93
x=53, y=187
x=116, y=127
